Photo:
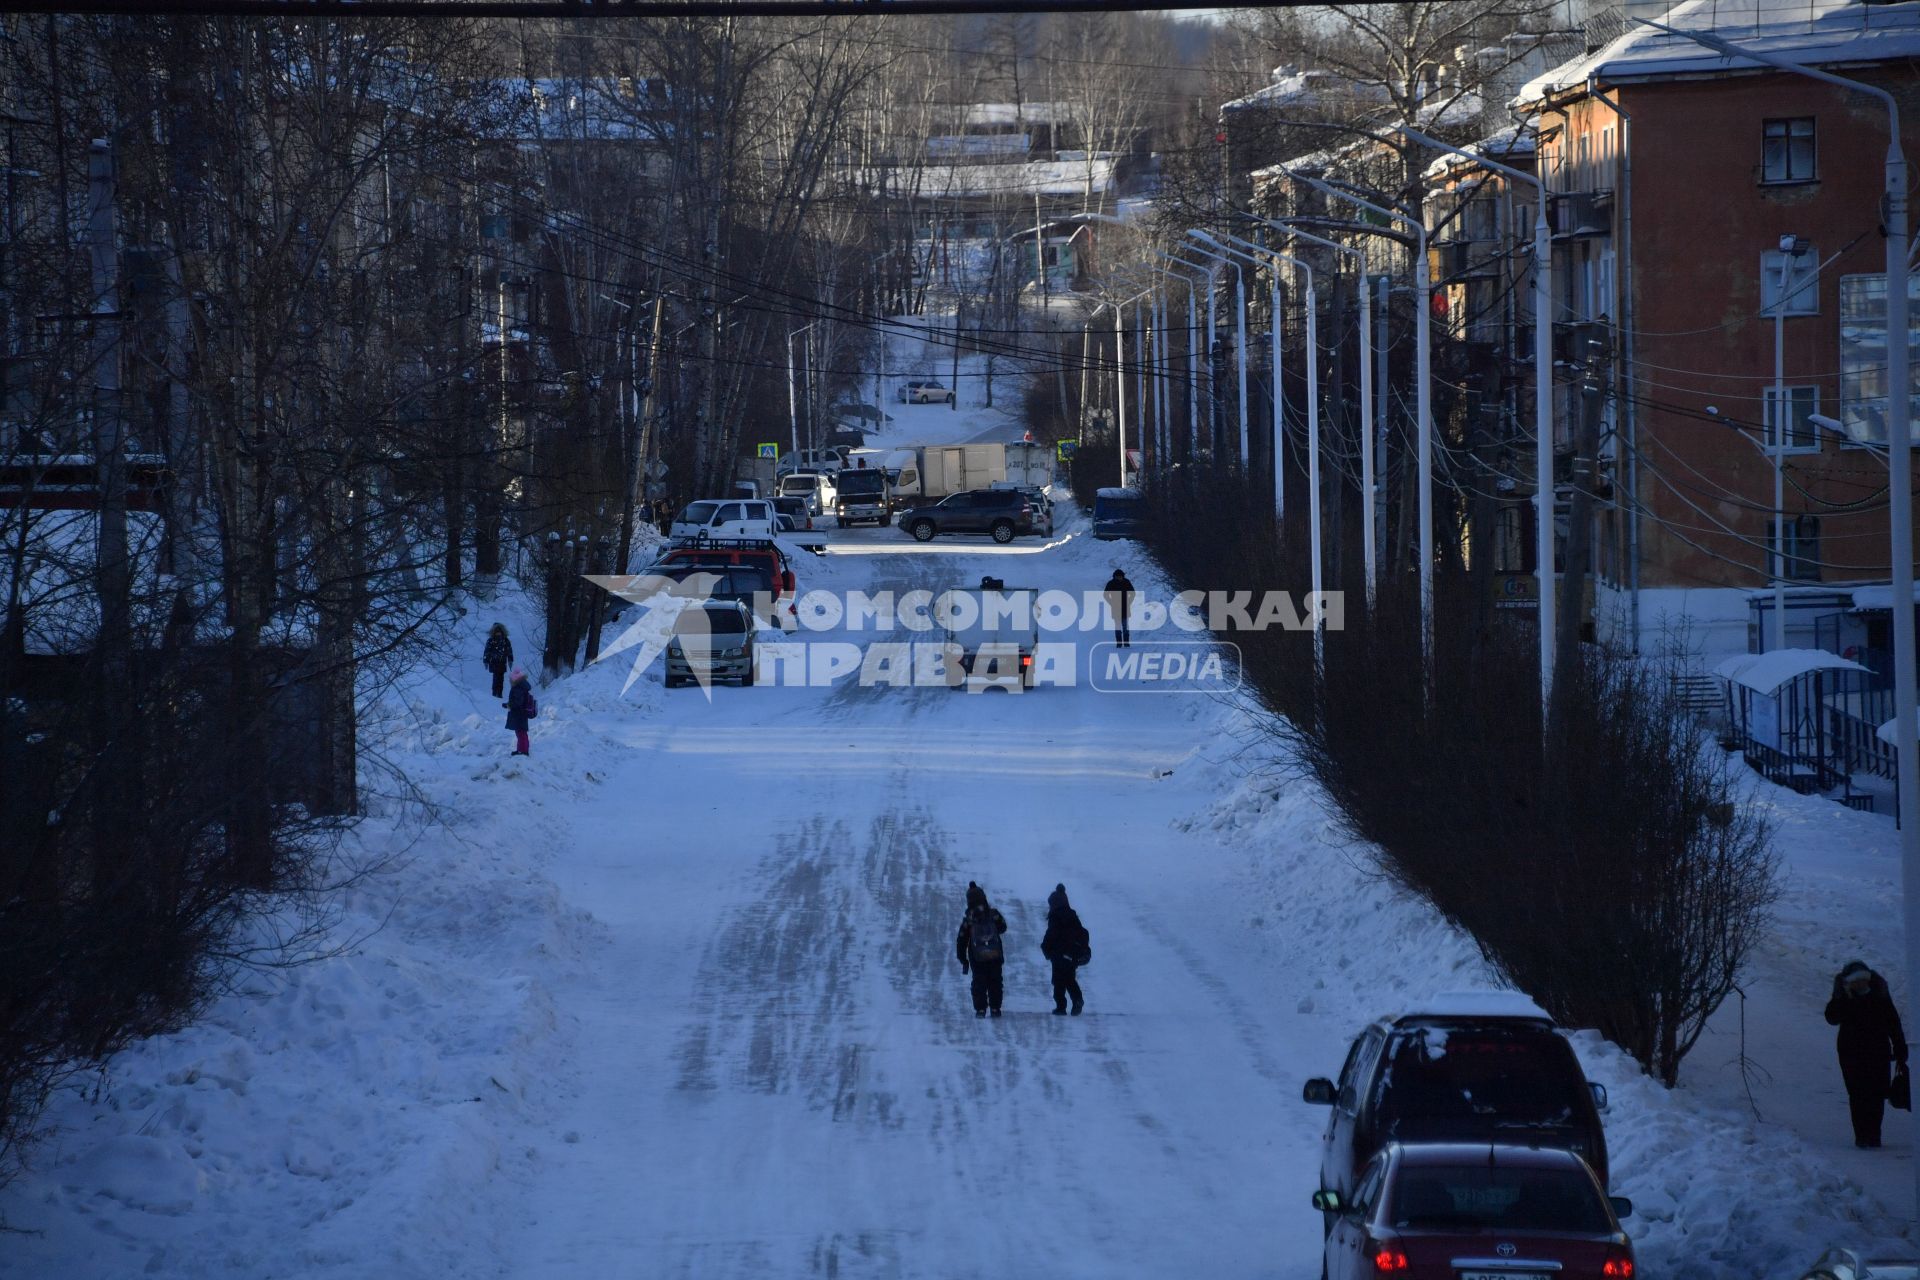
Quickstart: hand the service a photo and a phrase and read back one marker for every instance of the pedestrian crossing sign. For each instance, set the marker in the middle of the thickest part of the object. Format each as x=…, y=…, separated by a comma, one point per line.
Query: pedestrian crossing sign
x=768, y=449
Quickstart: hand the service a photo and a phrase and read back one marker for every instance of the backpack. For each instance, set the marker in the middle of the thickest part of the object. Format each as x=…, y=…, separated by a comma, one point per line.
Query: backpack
x=1080, y=950
x=983, y=938
x=533, y=708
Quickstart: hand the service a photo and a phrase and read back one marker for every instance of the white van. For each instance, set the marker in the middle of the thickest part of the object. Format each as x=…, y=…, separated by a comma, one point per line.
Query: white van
x=724, y=518
x=817, y=487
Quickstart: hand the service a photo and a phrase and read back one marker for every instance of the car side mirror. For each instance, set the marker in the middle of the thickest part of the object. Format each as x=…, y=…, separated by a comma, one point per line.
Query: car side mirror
x=1599, y=1092
x=1319, y=1091
x=1329, y=1202
x=1622, y=1207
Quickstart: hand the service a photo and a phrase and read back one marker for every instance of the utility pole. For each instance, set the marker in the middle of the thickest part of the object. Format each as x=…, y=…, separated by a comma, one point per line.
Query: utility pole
x=111, y=582
x=1586, y=470
x=649, y=438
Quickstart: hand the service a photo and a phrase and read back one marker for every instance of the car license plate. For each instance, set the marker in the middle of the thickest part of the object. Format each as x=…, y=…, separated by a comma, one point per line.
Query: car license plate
x=1504, y=1275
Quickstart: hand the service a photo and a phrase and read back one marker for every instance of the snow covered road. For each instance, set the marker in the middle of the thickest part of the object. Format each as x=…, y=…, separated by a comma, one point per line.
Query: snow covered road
x=676, y=997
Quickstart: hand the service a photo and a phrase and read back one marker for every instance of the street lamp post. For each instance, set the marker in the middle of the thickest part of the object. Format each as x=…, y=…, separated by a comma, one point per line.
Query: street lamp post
x=1891, y=212
x=793, y=395
x=1313, y=423
x=1193, y=342
x=1423, y=388
x=1240, y=328
x=1367, y=495
x=1120, y=377
x=1542, y=402
x=1777, y=423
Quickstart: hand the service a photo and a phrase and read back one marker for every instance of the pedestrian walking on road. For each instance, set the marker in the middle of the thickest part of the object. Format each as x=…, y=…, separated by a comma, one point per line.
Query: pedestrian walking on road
x=1066, y=946
x=1872, y=1047
x=1120, y=603
x=981, y=950
x=498, y=655
x=521, y=708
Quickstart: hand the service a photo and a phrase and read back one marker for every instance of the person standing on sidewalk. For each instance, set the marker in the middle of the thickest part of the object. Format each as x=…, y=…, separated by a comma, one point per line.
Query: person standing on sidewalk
x=498, y=655
x=981, y=950
x=1120, y=602
x=1066, y=946
x=1871, y=1044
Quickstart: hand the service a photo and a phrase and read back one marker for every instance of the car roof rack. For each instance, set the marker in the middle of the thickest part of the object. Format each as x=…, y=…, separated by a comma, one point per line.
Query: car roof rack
x=701, y=543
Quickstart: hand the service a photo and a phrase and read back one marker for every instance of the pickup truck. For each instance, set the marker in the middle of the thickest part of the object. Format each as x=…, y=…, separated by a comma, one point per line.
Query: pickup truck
x=992, y=631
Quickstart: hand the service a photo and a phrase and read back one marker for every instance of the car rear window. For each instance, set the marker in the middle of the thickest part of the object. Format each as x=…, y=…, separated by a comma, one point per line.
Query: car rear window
x=1499, y=1077
x=1487, y=1197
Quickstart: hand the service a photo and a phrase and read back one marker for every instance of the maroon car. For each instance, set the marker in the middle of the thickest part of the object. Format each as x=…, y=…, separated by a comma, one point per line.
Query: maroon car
x=1476, y=1211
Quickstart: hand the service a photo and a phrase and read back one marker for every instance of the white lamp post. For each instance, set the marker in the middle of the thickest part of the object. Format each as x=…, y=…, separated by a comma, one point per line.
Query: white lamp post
x=1240, y=330
x=1542, y=401
x=1791, y=247
x=793, y=403
x=1423, y=380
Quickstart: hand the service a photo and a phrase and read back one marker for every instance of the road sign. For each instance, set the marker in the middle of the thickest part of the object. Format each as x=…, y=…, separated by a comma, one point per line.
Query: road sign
x=657, y=469
x=655, y=491
x=767, y=449
x=1065, y=449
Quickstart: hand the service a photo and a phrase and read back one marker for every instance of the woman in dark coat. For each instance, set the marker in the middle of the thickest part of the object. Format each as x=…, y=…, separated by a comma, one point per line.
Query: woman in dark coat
x=519, y=710
x=1870, y=1043
x=498, y=655
x=1065, y=947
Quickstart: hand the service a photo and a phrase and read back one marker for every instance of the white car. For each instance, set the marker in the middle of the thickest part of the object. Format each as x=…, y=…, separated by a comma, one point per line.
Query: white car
x=815, y=487
x=813, y=460
x=925, y=392
x=724, y=518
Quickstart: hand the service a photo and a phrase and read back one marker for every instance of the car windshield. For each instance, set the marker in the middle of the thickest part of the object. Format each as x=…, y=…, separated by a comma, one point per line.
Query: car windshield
x=698, y=512
x=859, y=481
x=1489, y=1077
x=1487, y=1197
x=718, y=622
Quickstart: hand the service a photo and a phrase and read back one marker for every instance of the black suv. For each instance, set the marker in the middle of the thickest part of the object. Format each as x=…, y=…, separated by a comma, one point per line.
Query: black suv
x=1003, y=513
x=1475, y=1067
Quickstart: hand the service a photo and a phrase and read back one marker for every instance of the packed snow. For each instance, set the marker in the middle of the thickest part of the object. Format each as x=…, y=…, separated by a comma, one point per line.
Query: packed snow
x=676, y=996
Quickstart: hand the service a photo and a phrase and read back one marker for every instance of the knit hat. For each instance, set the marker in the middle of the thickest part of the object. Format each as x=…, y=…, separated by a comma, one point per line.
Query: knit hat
x=976, y=896
x=1057, y=900
x=519, y=674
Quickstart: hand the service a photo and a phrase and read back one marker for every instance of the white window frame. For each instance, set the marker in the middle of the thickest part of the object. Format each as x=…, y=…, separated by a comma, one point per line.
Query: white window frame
x=1780, y=440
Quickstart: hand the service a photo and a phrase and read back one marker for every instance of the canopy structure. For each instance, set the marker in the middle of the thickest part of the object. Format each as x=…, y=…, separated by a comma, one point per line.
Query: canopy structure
x=1879, y=599
x=1888, y=733
x=1766, y=672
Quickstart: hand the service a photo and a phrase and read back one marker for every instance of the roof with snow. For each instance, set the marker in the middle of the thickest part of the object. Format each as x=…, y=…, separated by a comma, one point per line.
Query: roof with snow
x=1007, y=113
x=1766, y=672
x=1035, y=177
x=1879, y=598
x=1816, y=32
x=1508, y=145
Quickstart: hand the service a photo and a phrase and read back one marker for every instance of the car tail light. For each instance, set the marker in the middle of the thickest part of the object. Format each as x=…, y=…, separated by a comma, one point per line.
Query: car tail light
x=1387, y=1259
x=1618, y=1266
x=1026, y=659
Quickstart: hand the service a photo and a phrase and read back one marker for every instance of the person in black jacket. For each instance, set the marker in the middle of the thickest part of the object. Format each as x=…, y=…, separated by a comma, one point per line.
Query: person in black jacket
x=1119, y=592
x=1870, y=1042
x=981, y=950
x=498, y=655
x=1065, y=946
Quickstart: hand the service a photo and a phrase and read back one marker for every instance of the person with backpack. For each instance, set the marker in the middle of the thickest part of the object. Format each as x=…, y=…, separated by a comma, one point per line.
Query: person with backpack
x=981, y=950
x=1872, y=1047
x=1066, y=946
x=498, y=655
x=1119, y=591
x=521, y=708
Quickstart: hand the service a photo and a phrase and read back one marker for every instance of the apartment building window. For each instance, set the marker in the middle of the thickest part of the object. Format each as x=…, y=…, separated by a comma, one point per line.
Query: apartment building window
x=1798, y=551
x=1801, y=435
x=1787, y=151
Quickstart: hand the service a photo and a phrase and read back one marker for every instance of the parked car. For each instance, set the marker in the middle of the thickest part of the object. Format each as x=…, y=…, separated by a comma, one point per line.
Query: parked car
x=1002, y=513
x=756, y=553
x=815, y=487
x=1847, y=1264
x=925, y=392
x=711, y=640
x=795, y=508
x=1485, y=1066
x=1116, y=513
x=723, y=518
x=1476, y=1211
x=863, y=494
x=992, y=638
x=746, y=584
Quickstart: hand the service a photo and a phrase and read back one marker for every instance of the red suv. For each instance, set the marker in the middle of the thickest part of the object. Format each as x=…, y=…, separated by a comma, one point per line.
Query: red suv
x=1476, y=1211
x=753, y=552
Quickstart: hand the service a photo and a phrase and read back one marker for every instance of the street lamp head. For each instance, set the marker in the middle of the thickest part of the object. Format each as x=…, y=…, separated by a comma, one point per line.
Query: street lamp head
x=1826, y=423
x=1794, y=246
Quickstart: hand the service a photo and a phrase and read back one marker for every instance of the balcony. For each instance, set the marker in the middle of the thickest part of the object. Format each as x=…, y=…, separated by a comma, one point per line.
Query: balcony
x=1575, y=215
x=1467, y=260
